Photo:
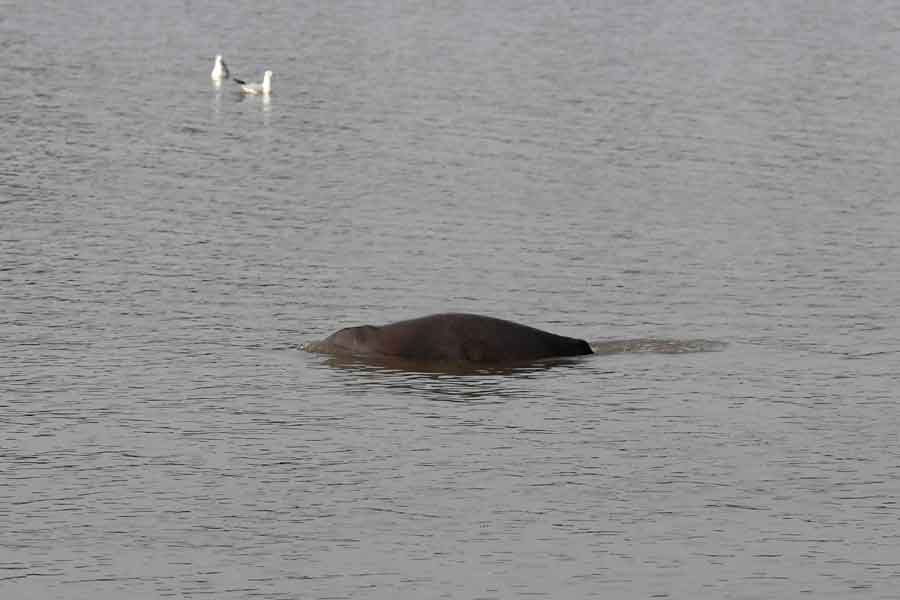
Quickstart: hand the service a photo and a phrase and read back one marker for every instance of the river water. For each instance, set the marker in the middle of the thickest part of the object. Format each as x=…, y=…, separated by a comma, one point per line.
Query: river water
x=691, y=176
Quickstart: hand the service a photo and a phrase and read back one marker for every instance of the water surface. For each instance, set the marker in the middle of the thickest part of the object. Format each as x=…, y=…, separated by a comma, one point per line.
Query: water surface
x=652, y=171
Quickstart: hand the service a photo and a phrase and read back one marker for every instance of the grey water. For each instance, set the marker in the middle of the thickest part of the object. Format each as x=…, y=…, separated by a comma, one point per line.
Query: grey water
x=654, y=177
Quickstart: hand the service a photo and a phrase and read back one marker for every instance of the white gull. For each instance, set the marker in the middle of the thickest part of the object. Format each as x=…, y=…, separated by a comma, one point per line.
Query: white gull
x=220, y=69
x=264, y=88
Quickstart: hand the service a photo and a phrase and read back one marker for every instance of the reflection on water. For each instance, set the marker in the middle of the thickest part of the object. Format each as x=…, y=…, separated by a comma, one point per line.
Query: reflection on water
x=380, y=363
x=217, y=99
x=398, y=364
x=443, y=382
x=267, y=110
x=230, y=92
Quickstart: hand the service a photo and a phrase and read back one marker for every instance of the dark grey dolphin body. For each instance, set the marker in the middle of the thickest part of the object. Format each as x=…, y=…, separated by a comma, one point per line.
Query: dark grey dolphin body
x=455, y=337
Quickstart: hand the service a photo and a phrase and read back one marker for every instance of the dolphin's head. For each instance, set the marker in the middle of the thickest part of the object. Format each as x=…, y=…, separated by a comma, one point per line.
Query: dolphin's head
x=354, y=340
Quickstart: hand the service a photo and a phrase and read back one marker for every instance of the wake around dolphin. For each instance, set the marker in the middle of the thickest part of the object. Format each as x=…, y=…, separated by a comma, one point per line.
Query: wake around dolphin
x=452, y=337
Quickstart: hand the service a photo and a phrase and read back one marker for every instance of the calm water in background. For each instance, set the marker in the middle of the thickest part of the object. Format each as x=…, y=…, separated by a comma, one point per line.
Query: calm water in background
x=629, y=170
